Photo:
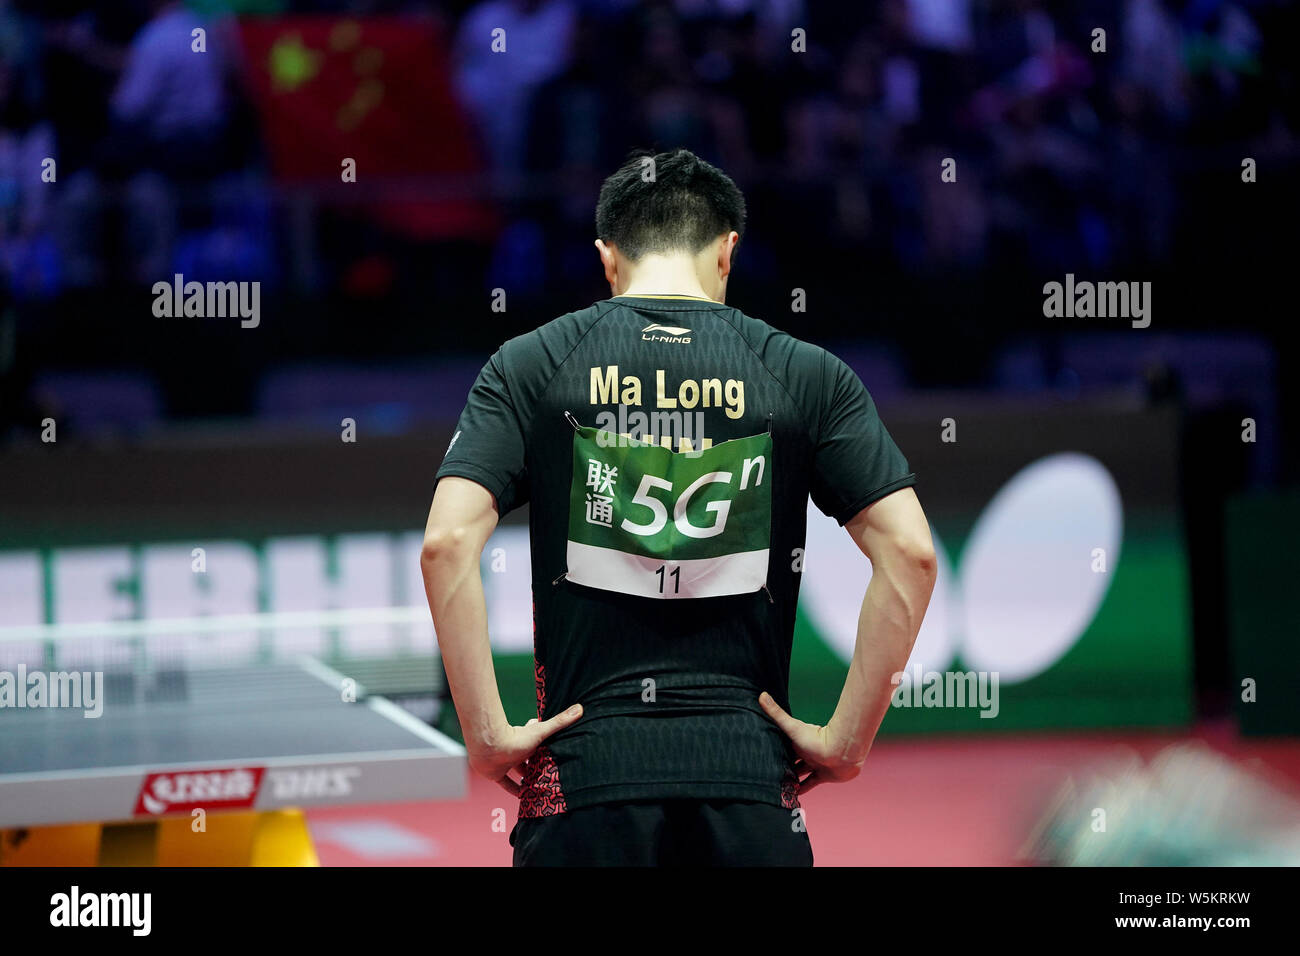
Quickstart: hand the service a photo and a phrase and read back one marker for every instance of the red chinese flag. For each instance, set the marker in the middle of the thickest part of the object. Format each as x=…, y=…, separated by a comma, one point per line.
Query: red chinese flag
x=375, y=90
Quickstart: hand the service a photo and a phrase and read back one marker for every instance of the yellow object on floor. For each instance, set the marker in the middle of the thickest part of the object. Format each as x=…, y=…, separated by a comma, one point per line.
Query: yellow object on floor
x=270, y=838
x=73, y=845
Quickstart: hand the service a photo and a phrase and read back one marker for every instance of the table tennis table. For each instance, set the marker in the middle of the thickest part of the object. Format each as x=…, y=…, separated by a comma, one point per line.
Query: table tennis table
x=251, y=746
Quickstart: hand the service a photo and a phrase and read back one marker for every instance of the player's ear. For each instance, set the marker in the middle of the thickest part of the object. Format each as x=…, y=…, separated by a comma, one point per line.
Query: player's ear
x=727, y=253
x=609, y=261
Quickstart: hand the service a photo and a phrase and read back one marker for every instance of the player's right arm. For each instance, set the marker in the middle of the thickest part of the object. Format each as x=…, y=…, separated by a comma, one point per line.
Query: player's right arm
x=482, y=477
x=894, y=535
x=461, y=519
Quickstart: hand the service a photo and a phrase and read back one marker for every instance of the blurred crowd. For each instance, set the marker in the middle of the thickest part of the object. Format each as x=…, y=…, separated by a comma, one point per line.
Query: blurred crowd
x=108, y=124
x=1070, y=147
x=1088, y=136
x=837, y=117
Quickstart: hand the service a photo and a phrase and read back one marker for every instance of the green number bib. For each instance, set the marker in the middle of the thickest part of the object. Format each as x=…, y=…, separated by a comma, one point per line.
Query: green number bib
x=647, y=521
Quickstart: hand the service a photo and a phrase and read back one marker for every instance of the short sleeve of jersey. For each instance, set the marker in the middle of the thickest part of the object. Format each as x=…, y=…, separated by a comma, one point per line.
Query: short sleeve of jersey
x=855, y=461
x=488, y=444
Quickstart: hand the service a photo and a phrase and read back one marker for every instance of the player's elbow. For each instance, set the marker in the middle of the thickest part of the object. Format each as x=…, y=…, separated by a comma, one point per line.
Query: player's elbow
x=915, y=554
x=443, y=542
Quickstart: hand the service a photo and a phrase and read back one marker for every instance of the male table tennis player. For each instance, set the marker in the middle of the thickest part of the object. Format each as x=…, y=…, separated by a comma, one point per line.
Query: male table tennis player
x=667, y=445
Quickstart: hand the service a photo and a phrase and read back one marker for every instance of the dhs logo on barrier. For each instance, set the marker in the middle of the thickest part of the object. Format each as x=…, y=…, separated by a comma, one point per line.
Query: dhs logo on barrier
x=315, y=783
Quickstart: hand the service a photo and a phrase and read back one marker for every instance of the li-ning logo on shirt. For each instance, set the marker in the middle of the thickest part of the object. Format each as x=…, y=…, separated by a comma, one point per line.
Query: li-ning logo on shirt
x=665, y=333
x=453, y=443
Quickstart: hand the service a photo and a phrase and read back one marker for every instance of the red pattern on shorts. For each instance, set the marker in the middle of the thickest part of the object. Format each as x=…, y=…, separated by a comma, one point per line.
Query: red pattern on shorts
x=790, y=790
x=540, y=794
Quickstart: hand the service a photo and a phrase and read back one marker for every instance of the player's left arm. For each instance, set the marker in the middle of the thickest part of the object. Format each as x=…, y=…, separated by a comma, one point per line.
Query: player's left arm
x=461, y=519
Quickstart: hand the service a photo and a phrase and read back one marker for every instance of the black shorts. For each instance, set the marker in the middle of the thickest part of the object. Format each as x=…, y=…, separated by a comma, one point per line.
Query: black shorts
x=665, y=833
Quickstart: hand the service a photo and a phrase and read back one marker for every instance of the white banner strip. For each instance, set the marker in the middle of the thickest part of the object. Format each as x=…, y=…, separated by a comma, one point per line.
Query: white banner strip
x=610, y=570
x=151, y=627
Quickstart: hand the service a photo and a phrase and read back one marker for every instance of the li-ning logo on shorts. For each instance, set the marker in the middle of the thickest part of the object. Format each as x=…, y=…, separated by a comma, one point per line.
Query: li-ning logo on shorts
x=665, y=333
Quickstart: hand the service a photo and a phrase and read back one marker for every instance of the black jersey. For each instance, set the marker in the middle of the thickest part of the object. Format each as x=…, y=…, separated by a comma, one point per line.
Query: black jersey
x=667, y=446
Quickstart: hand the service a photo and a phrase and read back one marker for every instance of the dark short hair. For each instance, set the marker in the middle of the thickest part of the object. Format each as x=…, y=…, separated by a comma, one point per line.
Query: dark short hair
x=688, y=204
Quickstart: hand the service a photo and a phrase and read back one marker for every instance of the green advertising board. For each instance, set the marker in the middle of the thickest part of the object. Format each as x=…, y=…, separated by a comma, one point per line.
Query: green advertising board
x=1062, y=598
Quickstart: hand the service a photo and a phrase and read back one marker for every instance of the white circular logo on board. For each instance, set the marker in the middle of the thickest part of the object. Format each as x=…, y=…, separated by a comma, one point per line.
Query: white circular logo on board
x=837, y=575
x=1026, y=590
x=1029, y=587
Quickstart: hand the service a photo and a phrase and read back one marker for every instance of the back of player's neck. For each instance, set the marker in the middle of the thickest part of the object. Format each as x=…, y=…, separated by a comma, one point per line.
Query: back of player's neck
x=665, y=275
x=666, y=294
x=657, y=290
